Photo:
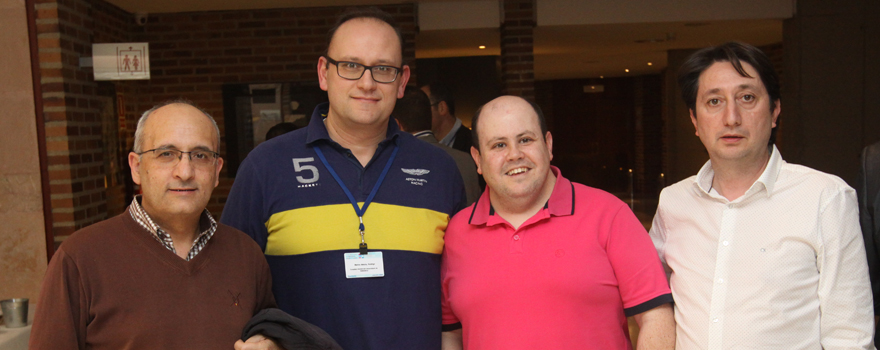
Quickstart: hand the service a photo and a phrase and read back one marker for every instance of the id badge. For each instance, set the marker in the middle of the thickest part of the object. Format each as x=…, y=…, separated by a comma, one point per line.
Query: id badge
x=364, y=265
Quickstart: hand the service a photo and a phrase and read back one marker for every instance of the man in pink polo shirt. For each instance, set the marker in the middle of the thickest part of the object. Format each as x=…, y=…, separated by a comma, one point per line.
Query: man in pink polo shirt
x=540, y=262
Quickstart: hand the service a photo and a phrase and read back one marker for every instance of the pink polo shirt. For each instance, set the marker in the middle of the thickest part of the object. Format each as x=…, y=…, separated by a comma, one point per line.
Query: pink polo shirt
x=566, y=279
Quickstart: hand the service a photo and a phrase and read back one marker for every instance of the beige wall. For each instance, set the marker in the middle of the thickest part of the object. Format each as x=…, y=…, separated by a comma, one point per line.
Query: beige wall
x=22, y=232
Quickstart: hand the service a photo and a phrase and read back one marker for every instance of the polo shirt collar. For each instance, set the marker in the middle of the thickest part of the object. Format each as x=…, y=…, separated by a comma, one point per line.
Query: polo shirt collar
x=561, y=203
x=317, y=130
x=766, y=181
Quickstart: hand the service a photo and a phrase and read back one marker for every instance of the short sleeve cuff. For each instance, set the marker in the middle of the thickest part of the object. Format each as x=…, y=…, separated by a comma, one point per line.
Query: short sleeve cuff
x=648, y=305
x=451, y=327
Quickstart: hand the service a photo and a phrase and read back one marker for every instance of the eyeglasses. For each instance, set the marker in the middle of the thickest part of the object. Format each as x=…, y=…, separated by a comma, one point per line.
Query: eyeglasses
x=169, y=157
x=354, y=71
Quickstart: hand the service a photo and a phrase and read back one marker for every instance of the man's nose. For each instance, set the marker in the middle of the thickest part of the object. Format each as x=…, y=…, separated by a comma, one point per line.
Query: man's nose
x=184, y=169
x=366, y=81
x=514, y=152
x=732, y=115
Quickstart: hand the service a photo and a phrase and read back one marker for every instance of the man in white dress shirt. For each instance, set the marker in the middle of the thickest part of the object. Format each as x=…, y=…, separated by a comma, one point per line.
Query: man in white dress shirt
x=761, y=254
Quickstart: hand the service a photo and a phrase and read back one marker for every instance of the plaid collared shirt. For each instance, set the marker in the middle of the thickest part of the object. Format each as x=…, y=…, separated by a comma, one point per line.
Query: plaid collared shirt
x=207, y=225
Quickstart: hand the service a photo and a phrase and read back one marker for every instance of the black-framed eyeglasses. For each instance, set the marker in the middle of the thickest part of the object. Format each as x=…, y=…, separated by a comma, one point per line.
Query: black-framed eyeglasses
x=170, y=157
x=354, y=71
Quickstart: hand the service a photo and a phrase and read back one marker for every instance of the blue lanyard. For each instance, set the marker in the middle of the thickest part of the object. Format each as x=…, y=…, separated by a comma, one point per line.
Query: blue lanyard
x=359, y=211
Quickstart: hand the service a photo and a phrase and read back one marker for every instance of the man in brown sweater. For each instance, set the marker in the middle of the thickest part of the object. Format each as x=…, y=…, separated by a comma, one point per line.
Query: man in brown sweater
x=164, y=274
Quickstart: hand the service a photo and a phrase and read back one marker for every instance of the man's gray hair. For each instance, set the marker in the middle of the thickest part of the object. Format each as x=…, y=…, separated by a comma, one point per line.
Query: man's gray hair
x=139, y=132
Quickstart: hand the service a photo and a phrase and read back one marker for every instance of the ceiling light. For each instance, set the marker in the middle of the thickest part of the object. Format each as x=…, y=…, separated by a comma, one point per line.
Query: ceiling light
x=482, y=47
x=650, y=64
x=594, y=88
x=601, y=77
x=626, y=70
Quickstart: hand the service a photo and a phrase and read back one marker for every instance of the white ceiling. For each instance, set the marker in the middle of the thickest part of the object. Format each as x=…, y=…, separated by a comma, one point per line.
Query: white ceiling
x=573, y=38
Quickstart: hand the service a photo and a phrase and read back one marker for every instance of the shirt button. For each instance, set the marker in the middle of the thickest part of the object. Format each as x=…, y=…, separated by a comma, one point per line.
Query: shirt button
x=725, y=243
x=516, y=237
x=720, y=280
x=715, y=320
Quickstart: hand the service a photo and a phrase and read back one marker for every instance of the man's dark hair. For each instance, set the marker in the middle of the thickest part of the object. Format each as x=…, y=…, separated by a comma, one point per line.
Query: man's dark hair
x=475, y=122
x=442, y=93
x=280, y=129
x=371, y=12
x=413, y=111
x=735, y=53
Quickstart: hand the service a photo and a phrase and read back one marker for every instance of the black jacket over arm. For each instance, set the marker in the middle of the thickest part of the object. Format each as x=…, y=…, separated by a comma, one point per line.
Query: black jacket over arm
x=869, y=214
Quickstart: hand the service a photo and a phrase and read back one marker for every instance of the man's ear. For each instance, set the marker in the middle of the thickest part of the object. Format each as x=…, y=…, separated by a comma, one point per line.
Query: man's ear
x=442, y=108
x=548, y=139
x=776, y=112
x=322, y=72
x=404, y=78
x=475, y=153
x=217, y=171
x=694, y=121
x=134, y=162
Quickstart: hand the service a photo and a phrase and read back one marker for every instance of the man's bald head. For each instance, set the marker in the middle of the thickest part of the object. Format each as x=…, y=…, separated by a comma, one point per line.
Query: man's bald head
x=505, y=102
x=139, y=132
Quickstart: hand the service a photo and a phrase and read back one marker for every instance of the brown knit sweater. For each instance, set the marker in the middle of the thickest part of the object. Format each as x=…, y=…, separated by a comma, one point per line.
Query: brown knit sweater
x=113, y=286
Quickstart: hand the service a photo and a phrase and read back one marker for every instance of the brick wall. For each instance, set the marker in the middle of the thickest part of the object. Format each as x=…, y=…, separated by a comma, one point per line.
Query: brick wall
x=517, y=53
x=66, y=30
x=192, y=56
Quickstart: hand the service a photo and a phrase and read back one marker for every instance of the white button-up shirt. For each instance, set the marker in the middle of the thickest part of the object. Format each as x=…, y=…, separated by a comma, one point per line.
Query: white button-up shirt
x=781, y=267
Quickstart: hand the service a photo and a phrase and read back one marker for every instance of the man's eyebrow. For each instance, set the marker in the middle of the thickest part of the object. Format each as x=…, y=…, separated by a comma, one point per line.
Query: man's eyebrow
x=739, y=87
x=173, y=147
x=525, y=133
x=166, y=146
x=385, y=62
x=497, y=138
x=202, y=148
x=355, y=59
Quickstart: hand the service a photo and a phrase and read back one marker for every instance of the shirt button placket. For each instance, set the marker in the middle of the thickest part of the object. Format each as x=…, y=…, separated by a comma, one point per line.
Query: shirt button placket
x=516, y=243
x=722, y=266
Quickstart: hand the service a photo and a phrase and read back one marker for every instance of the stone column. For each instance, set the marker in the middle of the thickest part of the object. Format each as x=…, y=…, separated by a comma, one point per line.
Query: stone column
x=22, y=238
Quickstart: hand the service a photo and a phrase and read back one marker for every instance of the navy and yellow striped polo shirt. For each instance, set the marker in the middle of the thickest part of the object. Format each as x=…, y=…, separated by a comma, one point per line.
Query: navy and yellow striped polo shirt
x=286, y=199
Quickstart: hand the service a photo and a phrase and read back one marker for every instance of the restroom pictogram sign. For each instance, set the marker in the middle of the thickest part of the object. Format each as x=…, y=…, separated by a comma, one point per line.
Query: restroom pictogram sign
x=121, y=61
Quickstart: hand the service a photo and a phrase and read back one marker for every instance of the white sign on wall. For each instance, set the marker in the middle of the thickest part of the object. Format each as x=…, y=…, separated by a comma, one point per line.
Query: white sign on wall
x=121, y=61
